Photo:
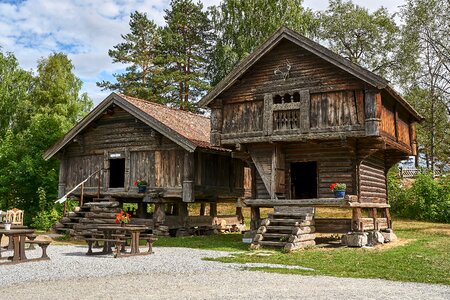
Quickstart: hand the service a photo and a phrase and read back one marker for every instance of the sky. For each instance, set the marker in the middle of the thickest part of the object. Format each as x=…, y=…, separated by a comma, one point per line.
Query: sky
x=86, y=29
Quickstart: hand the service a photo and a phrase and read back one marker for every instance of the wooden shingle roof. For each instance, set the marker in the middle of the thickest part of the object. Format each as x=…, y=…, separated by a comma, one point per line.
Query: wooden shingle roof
x=186, y=129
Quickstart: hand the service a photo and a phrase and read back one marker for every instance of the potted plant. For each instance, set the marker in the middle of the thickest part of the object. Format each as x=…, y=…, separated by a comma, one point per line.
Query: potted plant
x=7, y=225
x=338, y=189
x=141, y=184
x=123, y=218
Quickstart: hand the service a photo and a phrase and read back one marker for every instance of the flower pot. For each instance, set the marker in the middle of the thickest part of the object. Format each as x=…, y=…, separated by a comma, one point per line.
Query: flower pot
x=339, y=194
x=142, y=188
x=122, y=224
x=7, y=226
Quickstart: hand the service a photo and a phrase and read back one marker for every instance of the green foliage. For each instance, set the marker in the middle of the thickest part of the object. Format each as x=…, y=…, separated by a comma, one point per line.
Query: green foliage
x=426, y=199
x=45, y=220
x=368, y=39
x=14, y=102
x=425, y=74
x=138, y=51
x=53, y=105
x=184, y=49
x=241, y=26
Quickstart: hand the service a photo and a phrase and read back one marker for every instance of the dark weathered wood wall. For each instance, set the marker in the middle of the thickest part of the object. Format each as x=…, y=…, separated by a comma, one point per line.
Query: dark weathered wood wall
x=372, y=176
x=335, y=163
x=149, y=156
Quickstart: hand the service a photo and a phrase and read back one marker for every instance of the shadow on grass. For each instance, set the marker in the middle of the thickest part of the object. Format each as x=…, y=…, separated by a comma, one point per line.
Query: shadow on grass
x=222, y=242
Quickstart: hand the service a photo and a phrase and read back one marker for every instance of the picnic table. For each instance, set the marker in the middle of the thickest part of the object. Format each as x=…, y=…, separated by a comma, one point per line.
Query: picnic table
x=118, y=235
x=18, y=238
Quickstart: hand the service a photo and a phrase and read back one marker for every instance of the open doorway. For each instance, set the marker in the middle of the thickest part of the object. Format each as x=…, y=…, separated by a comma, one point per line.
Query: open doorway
x=304, y=180
x=117, y=173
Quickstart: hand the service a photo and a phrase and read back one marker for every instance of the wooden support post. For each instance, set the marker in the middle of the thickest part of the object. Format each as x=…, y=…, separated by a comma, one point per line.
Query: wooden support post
x=255, y=218
x=141, y=210
x=268, y=114
x=356, y=219
x=372, y=110
x=304, y=110
x=373, y=214
x=213, y=209
x=188, y=178
x=159, y=215
x=82, y=195
x=183, y=213
x=202, y=208
x=239, y=212
x=386, y=214
x=62, y=178
x=278, y=176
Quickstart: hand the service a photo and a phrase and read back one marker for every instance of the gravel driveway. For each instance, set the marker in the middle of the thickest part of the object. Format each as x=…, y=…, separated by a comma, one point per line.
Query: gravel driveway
x=179, y=273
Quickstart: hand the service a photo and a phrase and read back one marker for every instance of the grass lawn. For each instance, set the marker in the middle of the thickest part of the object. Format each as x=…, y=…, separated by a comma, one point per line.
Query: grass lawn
x=421, y=254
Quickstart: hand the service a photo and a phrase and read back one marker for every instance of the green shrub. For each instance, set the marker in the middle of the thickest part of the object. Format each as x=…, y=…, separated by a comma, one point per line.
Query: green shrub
x=427, y=198
x=44, y=220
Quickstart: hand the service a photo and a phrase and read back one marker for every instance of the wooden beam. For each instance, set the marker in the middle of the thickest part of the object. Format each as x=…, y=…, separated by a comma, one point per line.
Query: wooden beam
x=372, y=110
x=188, y=177
x=331, y=202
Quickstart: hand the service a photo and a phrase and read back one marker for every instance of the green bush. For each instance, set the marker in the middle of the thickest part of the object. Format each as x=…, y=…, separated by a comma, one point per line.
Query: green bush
x=426, y=199
x=44, y=220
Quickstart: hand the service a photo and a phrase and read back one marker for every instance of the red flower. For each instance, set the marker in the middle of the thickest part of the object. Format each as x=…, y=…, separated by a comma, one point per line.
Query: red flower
x=332, y=186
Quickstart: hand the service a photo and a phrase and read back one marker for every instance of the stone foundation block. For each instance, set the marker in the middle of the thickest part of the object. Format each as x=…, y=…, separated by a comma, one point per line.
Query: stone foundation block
x=389, y=235
x=375, y=238
x=356, y=239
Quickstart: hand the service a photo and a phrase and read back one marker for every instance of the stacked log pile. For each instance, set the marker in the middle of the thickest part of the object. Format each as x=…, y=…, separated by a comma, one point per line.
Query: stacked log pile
x=97, y=213
x=288, y=230
x=83, y=221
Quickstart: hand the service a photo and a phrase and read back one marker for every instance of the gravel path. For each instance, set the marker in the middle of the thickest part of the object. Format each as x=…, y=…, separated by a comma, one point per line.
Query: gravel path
x=179, y=273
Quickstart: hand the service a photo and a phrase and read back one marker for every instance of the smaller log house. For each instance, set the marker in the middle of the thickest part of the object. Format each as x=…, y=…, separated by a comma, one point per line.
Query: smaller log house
x=125, y=139
x=303, y=118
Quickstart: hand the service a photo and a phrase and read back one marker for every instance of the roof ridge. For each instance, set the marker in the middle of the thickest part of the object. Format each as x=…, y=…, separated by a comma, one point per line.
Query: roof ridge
x=162, y=105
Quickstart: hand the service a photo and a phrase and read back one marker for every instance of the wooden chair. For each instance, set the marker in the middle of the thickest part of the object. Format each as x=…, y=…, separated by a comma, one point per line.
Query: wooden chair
x=15, y=216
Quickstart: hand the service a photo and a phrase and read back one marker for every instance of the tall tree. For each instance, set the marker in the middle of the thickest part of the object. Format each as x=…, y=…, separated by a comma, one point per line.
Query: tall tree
x=15, y=84
x=241, y=26
x=425, y=73
x=368, y=39
x=184, y=49
x=138, y=52
x=56, y=106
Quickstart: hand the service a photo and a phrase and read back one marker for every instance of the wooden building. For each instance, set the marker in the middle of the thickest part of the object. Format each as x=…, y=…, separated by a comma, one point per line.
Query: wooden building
x=125, y=139
x=304, y=117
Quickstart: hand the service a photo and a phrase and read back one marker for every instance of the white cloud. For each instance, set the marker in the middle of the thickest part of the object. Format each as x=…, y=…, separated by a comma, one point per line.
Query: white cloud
x=85, y=30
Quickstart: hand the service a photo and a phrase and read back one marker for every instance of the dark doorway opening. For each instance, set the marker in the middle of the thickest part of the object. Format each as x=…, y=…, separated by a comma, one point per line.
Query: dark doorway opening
x=304, y=180
x=117, y=173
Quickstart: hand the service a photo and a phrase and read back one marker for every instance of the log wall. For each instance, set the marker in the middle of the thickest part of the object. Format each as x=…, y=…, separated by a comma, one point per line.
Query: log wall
x=372, y=177
x=335, y=163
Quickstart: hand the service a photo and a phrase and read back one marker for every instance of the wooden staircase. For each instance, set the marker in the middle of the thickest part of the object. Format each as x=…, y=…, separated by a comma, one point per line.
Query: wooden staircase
x=85, y=219
x=286, y=229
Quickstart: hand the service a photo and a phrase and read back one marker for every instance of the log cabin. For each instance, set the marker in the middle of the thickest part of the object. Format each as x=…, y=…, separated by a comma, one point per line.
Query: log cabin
x=125, y=139
x=303, y=117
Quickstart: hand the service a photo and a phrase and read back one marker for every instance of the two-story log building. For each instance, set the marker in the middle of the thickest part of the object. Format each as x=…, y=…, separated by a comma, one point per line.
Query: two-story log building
x=304, y=117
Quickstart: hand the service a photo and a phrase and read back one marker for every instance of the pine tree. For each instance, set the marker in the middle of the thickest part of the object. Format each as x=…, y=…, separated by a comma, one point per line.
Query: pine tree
x=139, y=52
x=183, y=53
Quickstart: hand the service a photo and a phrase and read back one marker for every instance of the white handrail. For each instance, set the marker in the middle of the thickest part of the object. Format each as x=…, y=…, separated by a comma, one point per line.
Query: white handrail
x=64, y=198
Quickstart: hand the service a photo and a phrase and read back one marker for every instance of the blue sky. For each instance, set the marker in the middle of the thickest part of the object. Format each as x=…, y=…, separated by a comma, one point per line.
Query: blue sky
x=85, y=30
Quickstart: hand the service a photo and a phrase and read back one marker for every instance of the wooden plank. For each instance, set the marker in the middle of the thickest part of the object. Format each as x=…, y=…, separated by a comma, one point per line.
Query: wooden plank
x=331, y=202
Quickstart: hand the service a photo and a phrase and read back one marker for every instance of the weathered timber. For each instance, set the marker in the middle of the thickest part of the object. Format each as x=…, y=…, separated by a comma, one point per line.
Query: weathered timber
x=324, y=202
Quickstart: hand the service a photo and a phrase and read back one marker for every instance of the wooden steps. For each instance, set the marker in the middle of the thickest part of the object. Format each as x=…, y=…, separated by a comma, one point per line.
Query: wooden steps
x=284, y=229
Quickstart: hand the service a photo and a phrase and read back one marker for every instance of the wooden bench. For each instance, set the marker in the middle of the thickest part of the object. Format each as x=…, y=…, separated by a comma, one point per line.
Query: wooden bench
x=43, y=245
x=118, y=242
x=150, y=239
